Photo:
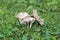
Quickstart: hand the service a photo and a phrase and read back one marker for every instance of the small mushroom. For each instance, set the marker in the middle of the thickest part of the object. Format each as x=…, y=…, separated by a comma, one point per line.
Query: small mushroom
x=37, y=17
x=25, y=18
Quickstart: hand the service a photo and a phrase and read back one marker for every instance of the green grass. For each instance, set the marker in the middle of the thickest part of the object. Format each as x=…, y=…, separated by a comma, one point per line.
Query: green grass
x=11, y=29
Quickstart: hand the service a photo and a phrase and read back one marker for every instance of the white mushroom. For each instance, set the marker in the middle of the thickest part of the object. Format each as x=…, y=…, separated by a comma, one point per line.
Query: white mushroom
x=25, y=18
x=37, y=17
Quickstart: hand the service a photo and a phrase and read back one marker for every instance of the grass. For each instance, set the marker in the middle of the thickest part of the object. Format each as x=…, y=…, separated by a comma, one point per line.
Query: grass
x=11, y=29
